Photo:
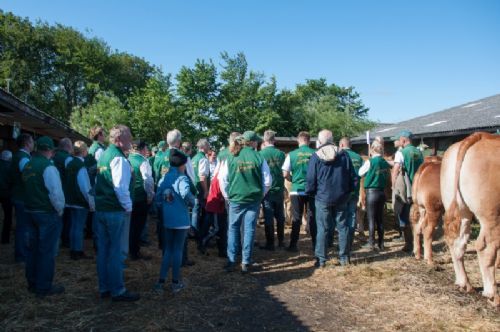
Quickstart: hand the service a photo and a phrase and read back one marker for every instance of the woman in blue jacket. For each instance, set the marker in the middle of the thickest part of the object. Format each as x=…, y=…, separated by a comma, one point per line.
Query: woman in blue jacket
x=174, y=198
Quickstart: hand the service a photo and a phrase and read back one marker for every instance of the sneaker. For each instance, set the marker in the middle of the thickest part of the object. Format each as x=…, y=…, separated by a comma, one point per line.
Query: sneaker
x=55, y=290
x=105, y=295
x=126, y=297
x=318, y=264
x=368, y=246
x=159, y=288
x=177, y=287
x=82, y=255
x=245, y=269
x=230, y=267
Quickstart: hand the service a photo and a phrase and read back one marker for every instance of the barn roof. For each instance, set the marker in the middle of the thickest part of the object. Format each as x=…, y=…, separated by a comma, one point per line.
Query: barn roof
x=482, y=114
x=31, y=119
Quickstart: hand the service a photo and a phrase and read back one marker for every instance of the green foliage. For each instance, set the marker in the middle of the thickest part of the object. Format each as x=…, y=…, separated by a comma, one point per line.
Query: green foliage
x=106, y=111
x=79, y=79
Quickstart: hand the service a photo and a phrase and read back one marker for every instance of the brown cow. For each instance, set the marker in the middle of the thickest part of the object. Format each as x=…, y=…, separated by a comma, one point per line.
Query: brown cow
x=427, y=206
x=470, y=186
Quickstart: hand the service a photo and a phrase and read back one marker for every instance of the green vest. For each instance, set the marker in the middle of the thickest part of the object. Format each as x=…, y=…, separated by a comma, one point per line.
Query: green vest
x=412, y=160
x=245, y=176
x=59, y=158
x=378, y=174
x=18, y=193
x=356, y=161
x=90, y=161
x=275, y=159
x=38, y=198
x=196, y=167
x=223, y=154
x=136, y=161
x=96, y=145
x=71, y=188
x=161, y=164
x=299, y=161
x=105, y=197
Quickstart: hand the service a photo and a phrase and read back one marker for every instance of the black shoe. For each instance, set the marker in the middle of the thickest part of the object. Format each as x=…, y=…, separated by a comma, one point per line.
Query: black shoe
x=126, y=297
x=292, y=249
x=105, y=295
x=82, y=255
x=222, y=255
x=140, y=256
x=230, y=267
x=55, y=290
x=281, y=244
x=368, y=246
x=32, y=289
x=145, y=243
x=318, y=264
x=74, y=255
x=268, y=247
x=245, y=268
x=188, y=263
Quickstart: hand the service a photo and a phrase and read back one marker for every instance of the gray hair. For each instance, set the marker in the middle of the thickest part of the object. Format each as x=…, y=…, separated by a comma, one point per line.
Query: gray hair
x=233, y=136
x=377, y=147
x=117, y=132
x=65, y=144
x=269, y=136
x=6, y=155
x=174, y=136
x=345, y=142
x=325, y=136
x=203, y=143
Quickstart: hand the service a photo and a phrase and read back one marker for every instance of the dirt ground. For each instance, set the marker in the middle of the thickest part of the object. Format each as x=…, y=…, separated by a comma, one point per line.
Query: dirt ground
x=388, y=291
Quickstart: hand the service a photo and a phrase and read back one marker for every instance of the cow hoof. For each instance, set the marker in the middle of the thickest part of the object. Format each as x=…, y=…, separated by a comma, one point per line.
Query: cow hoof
x=466, y=288
x=495, y=301
x=418, y=257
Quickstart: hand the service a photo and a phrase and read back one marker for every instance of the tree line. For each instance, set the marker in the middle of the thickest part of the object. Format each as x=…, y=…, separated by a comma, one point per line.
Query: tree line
x=82, y=81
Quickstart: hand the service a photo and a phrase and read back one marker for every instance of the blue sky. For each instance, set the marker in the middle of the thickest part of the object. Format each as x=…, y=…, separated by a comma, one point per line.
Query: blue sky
x=405, y=58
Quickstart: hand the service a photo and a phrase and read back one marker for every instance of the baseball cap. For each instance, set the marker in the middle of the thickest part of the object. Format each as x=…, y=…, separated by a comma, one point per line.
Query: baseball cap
x=44, y=143
x=251, y=136
x=402, y=133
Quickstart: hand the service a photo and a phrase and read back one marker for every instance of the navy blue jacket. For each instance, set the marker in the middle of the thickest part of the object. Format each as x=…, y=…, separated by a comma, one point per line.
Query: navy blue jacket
x=330, y=176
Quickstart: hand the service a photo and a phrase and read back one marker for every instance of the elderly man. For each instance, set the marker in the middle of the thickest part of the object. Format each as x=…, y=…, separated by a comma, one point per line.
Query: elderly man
x=5, y=161
x=44, y=207
x=295, y=170
x=201, y=168
x=330, y=179
x=113, y=209
x=62, y=158
x=18, y=193
x=406, y=163
x=273, y=202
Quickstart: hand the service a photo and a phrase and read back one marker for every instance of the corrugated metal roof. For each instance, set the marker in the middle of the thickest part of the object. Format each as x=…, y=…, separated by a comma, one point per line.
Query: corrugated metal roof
x=483, y=114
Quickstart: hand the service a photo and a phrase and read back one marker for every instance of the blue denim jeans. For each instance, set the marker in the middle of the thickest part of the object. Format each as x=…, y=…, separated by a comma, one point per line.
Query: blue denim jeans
x=125, y=238
x=274, y=207
x=110, y=229
x=197, y=213
x=173, y=246
x=328, y=217
x=404, y=216
x=21, y=232
x=78, y=219
x=44, y=230
x=352, y=205
x=241, y=215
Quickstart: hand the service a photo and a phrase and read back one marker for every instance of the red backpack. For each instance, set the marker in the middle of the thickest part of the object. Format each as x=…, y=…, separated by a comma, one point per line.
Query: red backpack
x=215, y=200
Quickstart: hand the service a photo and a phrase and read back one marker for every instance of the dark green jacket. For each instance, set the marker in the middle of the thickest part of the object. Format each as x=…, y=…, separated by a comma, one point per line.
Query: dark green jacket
x=245, y=177
x=299, y=162
x=275, y=159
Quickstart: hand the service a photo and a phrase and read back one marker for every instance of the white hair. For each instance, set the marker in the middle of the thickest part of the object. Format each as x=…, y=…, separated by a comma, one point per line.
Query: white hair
x=325, y=136
x=174, y=136
x=117, y=132
x=6, y=155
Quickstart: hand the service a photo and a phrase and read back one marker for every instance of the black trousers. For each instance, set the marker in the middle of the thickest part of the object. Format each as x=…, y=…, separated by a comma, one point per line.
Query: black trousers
x=7, y=218
x=66, y=218
x=137, y=222
x=375, y=200
x=299, y=203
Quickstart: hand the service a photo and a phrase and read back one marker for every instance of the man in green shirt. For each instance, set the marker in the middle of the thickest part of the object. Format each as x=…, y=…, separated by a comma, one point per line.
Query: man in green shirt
x=18, y=193
x=407, y=161
x=357, y=161
x=295, y=170
x=273, y=202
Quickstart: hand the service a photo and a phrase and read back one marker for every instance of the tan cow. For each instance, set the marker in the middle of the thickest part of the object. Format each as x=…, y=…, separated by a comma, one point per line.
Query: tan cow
x=427, y=206
x=470, y=186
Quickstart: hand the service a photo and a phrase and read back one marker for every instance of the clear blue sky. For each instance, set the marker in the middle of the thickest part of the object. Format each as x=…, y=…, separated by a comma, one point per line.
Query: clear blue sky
x=406, y=58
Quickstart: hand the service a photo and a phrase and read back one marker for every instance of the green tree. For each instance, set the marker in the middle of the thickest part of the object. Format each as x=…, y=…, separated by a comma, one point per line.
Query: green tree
x=106, y=111
x=153, y=110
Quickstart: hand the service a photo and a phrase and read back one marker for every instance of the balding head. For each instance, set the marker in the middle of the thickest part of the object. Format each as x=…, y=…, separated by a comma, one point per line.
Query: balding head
x=174, y=138
x=344, y=143
x=325, y=137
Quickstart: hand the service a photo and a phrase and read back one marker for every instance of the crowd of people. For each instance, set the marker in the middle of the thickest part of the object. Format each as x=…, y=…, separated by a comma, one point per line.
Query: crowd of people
x=60, y=194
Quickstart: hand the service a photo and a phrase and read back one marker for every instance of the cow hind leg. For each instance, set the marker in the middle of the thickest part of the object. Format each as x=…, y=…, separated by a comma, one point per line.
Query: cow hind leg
x=487, y=253
x=417, y=217
x=430, y=226
x=457, y=250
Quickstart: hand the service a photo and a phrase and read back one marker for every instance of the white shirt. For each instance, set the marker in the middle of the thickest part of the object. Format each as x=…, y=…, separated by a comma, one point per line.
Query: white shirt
x=366, y=166
x=147, y=177
x=98, y=153
x=223, y=177
x=23, y=161
x=287, y=166
x=53, y=184
x=203, y=168
x=83, y=180
x=68, y=160
x=398, y=158
x=121, y=173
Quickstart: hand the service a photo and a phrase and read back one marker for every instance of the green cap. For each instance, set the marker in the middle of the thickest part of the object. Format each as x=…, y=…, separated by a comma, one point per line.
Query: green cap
x=44, y=143
x=251, y=136
x=402, y=133
x=161, y=145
